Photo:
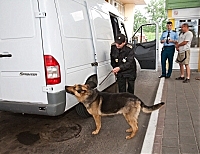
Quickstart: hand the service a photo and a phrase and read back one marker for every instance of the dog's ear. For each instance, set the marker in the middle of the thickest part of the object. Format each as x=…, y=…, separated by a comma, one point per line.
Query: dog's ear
x=91, y=85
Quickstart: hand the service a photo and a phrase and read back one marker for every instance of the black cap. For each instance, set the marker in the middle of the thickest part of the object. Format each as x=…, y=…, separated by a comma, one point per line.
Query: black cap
x=120, y=38
x=169, y=22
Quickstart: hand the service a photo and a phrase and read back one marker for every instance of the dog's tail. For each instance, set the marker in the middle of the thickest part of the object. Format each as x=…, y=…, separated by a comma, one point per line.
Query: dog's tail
x=149, y=109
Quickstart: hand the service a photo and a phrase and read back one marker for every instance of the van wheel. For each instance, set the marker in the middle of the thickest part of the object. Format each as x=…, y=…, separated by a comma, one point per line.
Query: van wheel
x=82, y=111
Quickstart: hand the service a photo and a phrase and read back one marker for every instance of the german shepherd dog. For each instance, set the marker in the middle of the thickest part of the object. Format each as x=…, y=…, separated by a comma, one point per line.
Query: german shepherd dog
x=102, y=104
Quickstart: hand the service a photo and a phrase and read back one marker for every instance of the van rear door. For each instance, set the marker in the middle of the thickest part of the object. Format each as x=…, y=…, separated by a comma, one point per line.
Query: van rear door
x=22, y=74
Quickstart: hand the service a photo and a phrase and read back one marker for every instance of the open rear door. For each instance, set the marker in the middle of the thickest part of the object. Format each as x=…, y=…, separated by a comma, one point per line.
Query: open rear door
x=146, y=46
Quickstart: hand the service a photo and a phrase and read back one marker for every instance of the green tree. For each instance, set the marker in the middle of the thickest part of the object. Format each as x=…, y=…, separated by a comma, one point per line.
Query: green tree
x=139, y=19
x=157, y=13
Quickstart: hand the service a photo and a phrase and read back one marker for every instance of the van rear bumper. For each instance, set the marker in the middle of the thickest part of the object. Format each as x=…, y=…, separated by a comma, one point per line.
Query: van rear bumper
x=56, y=105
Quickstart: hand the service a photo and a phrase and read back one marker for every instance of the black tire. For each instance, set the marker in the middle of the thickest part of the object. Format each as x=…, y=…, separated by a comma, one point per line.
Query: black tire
x=82, y=111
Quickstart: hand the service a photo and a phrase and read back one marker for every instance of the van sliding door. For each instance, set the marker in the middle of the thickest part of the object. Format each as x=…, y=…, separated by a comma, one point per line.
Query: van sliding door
x=102, y=38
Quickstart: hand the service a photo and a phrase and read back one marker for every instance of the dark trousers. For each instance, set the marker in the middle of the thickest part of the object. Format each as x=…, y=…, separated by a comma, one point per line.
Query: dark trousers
x=124, y=81
x=167, y=53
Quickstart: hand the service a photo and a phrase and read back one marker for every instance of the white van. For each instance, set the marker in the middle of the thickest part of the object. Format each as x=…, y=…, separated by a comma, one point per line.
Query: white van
x=45, y=45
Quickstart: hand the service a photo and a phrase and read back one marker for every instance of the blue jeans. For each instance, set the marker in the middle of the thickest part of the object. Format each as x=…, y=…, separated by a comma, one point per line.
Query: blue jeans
x=167, y=53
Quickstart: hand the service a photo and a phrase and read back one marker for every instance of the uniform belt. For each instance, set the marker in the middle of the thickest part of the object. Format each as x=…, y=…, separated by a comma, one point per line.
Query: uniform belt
x=169, y=46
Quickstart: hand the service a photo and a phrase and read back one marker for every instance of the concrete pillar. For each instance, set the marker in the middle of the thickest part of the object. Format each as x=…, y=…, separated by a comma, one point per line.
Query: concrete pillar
x=129, y=19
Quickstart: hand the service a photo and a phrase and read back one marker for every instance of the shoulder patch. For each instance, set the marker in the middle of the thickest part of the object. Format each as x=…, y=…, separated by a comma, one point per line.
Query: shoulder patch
x=129, y=46
x=113, y=44
x=164, y=31
x=174, y=31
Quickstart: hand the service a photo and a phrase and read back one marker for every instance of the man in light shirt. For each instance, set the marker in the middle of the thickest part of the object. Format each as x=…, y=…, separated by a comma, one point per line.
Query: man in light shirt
x=183, y=48
x=168, y=38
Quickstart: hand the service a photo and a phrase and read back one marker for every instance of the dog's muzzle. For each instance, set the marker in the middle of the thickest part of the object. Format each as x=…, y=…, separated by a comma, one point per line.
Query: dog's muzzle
x=67, y=90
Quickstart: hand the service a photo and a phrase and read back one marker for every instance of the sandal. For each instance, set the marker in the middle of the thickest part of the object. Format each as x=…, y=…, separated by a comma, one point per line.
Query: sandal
x=186, y=80
x=180, y=78
x=197, y=78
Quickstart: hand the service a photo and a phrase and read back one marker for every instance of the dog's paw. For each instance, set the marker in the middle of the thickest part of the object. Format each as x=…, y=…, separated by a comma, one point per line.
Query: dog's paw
x=95, y=132
x=129, y=130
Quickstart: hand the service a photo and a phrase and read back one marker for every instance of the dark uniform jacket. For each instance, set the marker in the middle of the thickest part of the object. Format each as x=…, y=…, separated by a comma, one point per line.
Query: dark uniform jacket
x=123, y=58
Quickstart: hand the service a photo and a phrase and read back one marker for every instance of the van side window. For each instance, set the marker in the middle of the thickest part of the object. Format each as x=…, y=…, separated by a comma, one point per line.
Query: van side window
x=115, y=25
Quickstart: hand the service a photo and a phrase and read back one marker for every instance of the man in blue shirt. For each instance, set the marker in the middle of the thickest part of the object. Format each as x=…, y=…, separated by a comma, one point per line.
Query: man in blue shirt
x=169, y=39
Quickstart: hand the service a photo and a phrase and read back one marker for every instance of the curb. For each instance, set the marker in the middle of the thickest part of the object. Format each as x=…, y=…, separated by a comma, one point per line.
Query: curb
x=147, y=146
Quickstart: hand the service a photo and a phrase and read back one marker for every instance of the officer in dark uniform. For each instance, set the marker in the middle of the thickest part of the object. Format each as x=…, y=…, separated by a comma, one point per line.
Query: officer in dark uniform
x=169, y=39
x=123, y=63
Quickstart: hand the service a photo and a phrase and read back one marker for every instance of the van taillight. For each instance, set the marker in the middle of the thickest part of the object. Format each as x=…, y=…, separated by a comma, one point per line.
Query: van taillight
x=52, y=69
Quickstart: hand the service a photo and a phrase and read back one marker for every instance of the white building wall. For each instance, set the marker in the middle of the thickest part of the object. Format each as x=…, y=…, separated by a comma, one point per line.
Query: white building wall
x=129, y=19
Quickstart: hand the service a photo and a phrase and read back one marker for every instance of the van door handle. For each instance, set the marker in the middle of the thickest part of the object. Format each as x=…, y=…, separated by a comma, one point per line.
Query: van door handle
x=94, y=64
x=5, y=55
